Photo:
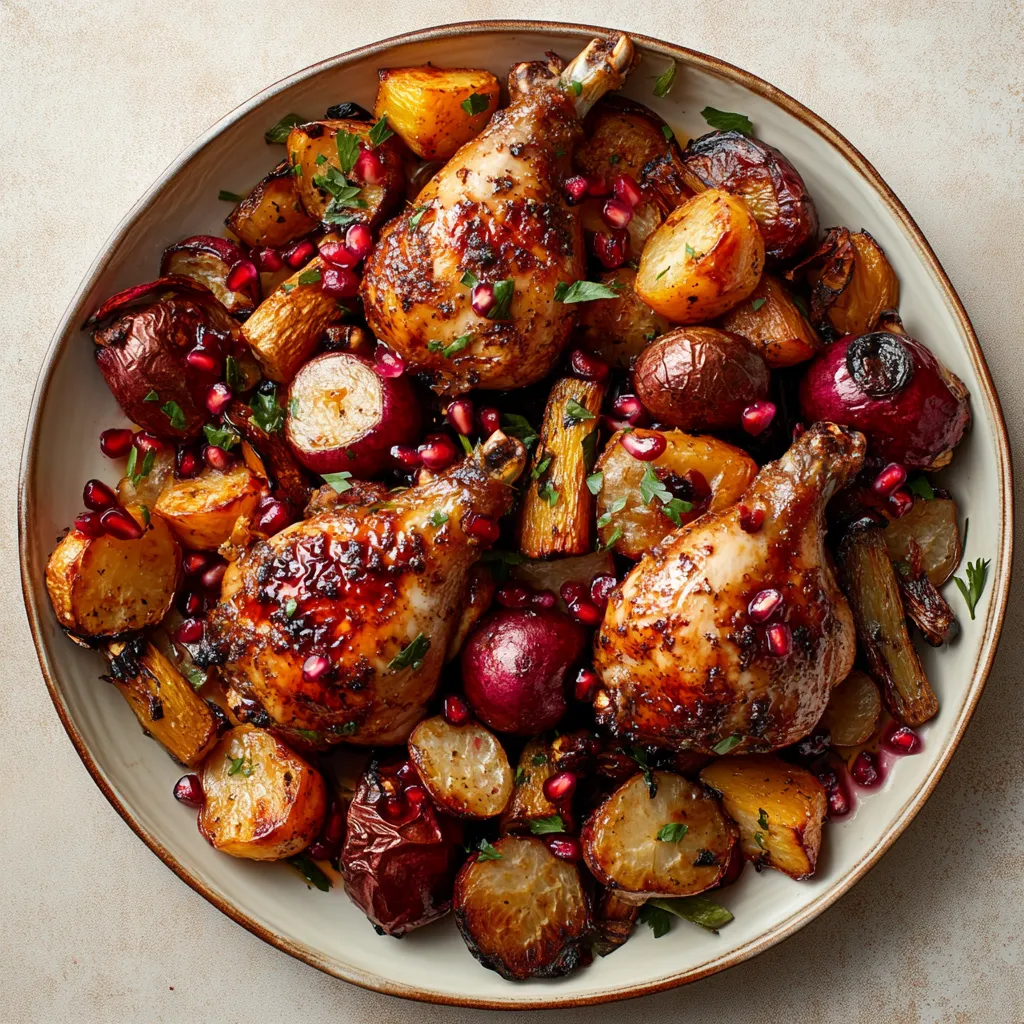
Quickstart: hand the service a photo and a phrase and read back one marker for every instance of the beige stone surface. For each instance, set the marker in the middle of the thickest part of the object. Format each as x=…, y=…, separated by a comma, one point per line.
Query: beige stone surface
x=96, y=98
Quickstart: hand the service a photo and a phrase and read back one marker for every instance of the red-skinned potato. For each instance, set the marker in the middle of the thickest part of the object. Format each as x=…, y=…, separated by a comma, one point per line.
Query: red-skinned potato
x=514, y=667
x=767, y=181
x=400, y=854
x=891, y=388
x=272, y=214
x=700, y=378
x=209, y=260
x=342, y=415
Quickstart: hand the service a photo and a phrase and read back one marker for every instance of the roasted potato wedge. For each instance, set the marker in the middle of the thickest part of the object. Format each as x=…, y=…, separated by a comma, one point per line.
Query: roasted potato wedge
x=700, y=378
x=705, y=258
x=619, y=329
x=464, y=767
x=932, y=526
x=666, y=837
x=272, y=214
x=853, y=710
x=635, y=502
x=202, y=511
x=521, y=910
x=555, y=514
x=261, y=801
x=773, y=322
x=540, y=760
x=164, y=701
x=778, y=807
x=104, y=586
x=430, y=108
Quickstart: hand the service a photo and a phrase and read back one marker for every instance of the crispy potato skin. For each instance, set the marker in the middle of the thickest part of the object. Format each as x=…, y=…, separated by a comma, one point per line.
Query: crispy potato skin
x=769, y=183
x=202, y=511
x=705, y=258
x=271, y=807
x=794, y=803
x=272, y=214
x=700, y=378
x=618, y=330
x=103, y=586
x=423, y=106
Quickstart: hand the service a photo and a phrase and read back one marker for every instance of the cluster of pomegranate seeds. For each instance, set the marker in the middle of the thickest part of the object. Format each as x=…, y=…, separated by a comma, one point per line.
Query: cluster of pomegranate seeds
x=189, y=632
x=889, y=479
x=513, y=595
x=456, y=710
x=300, y=254
x=865, y=770
x=98, y=496
x=560, y=786
x=617, y=214
x=271, y=516
x=757, y=417
x=644, y=448
x=218, y=398
x=903, y=740
x=242, y=276
x=779, y=638
x=369, y=167
x=627, y=190
x=387, y=362
x=751, y=519
x=482, y=298
x=116, y=443
x=490, y=420
x=460, y=415
x=188, y=790
x=764, y=604
x=565, y=848
x=437, y=452
x=610, y=248
x=483, y=528
x=900, y=503
x=586, y=685
x=315, y=667
x=587, y=366
x=269, y=260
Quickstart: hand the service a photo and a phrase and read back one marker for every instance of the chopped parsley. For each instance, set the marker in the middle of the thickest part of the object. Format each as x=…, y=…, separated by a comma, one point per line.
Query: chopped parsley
x=220, y=437
x=651, y=487
x=348, y=150
x=173, y=412
x=232, y=375
x=584, y=291
x=577, y=88
x=975, y=585
x=487, y=851
x=589, y=445
x=266, y=413
x=613, y=539
x=672, y=832
x=309, y=734
x=668, y=133
x=639, y=755
x=663, y=84
x=241, y=765
x=614, y=506
x=290, y=607
x=756, y=304
x=503, y=294
x=660, y=275
x=195, y=676
x=339, y=481
x=147, y=464
x=576, y=413
x=727, y=121
x=380, y=132
x=519, y=427
x=411, y=655
x=920, y=487
x=690, y=251
x=310, y=872
x=417, y=216
x=311, y=276
x=724, y=746
x=152, y=397
x=475, y=104
x=548, y=493
x=538, y=759
x=595, y=482
x=280, y=132
x=229, y=197
x=762, y=818
x=541, y=468
x=546, y=826
x=437, y=518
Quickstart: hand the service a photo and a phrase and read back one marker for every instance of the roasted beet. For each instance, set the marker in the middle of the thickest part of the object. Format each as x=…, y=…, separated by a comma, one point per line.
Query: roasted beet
x=400, y=854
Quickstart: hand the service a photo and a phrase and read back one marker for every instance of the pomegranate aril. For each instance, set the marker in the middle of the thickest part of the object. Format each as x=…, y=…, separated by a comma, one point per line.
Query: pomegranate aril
x=188, y=790
x=211, y=579
x=481, y=298
x=460, y=415
x=628, y=408
x=838, y=802
x=610, y=248
x=597, y=185
x=751, y=519
x=490, y=420
x=116, y=442
x=575, y=187
x=340, y=282
x=865, y=770
x=626, y=189
x=543, y=599
x=406, y=456
x=300, y=254
x=560, y=786
x=89, y=524
x=320, y=850
x=437, y=452
x=189, y=632
x=764, y=604
x=315, y=667
x=780, y=639
x=586, y=685
x=272, y=516
x=903, y=740
x=616, y=213
x=645, y=448
x=269, y=260
x=814, y=745
x=587, y=366
x=416, y=795
x=572, y=591
x=242, y=275
x=118, y=523
x=98, y=496
x=203, y=361
x=146, y=442
x=191, y=604
x=828, y=779
x=187, y=463
x=456, y=710
x=565, y=848
x=387, y=362
x=891, y=478
x=513, y=595
x=359, y=241
x=586, y=613
x=369, y=168
x=757, y=417
x=900, y=503
x=483, y=528
x=195, y=562
x=217, y=458
x=601, y=587
x=338, y=254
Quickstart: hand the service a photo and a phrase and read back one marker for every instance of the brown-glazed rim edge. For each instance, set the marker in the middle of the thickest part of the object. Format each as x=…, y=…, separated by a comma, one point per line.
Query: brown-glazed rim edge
x=996, y=605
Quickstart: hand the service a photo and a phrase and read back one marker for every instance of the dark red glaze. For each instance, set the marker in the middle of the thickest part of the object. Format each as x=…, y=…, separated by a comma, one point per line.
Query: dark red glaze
x=560, y=786
x=189, y=632
x=645, y=447
x=757, y=417
x=610, y=248
x=116, y=442
x=98, y=496
x=456, y=710
x=118, y=523
x=616, y=214
x=460, y=415
x=89, y=524
x=587, y=366
x=188, y=790
x=565, y=848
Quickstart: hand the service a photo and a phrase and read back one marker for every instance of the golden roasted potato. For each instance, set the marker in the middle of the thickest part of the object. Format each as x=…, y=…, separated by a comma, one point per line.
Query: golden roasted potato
x=103, y=586
x=261, y=801
x=854, y=707
x=635, y=502
x=779, y=809
x=619, y=329
x=202, y=511
x=663, y=837
x=434, y=111
x=705, y=258
x=464, y=767
x=146, y=489
x=272, y=214
x=773, y=322
x=522, y=910
x=931, y=525
x=164, y=701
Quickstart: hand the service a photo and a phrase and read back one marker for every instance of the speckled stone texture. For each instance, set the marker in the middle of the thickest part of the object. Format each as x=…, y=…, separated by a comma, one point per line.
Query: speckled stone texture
x=96, y=98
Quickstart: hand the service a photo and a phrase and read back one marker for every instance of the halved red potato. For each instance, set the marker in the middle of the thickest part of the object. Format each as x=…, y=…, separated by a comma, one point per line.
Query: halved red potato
x=705, y=258
x=778, y=807
x=464, y=767
x=272, y=214
x=210, y=261
x=932, y=525
x=436, y=110
x=704, y=472
x=202, y=510
x=103, y=586
x=676, y=842
x=853, y=710
x=261, y=801
x=342, y=415
x=522, y=910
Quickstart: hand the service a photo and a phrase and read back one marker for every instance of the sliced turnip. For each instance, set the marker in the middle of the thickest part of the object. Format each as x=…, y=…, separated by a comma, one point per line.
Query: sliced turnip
x=212, y=261
x=342, y=415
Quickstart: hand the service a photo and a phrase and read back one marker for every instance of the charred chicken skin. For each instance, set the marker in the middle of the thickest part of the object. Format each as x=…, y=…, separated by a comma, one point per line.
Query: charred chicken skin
x=340, y=624
x=735, y=629
x=493, y=226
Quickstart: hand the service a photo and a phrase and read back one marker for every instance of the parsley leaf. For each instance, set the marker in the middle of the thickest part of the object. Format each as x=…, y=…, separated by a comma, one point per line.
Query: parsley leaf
x=576, y=413
x=241, y=765
x=639, y=755
x=663, y=85
x=612, y=540
x=503, y=294
x=762, y=818
x=309, y=870
x=547, y=826
x=541, y=468
x=339, y=481
x=348, y=150
x=487, y=851
x=467, y=445
x=658, y=920
x=147, y=464
x=614, y=506
x=475, y=104
x=651, y=487
x=519, y=427
x=380, y=132
x=538, y=759
x=589, y=446
x=414, y=220
x=266, y=413
x=584, y=291
x=548, y=493
x=310, y=276
x=724, y=746
x=232, y=374
x=675, y=509
x=521, y=775
x=152, y=397
x=469, y=279
x=690, y=251
x=672, y=832
x=309, y=734
x=220, y=437
x=280, y=132
x=756, y=304
x=920, y=486
x=173, y=412
x=577, y=88
x=696, y=909
x=668, y=133
x=412, y=654
x=595, y=482
x=662, y=273
x=759, y=839
x=975, y=585
x=229, y=197
x=437, y=518
x=461, y=342
x=726, y=121
x=290, y=607
x=196, y=677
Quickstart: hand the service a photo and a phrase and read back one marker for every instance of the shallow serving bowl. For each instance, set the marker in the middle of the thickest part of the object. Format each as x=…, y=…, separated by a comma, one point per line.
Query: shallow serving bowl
x=72, y=405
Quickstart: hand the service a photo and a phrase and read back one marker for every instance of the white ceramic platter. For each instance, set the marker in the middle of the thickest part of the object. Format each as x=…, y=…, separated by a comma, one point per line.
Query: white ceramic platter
x=72, y=405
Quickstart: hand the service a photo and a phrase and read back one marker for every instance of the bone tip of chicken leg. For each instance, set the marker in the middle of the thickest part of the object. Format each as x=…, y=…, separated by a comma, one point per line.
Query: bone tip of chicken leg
x=503, y=457
x=602, y=65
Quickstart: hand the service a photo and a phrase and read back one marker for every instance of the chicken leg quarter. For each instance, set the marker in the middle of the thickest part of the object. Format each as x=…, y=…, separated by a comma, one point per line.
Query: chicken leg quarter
x=683, y=660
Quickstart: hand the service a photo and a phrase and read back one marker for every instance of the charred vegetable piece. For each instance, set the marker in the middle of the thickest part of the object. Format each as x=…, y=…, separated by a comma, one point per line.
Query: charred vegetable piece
x=522, y=910
x=614, y=921
x=869, y=580
x=272, y=214
x=261, y=800
x=924, y=605
x=103, y=586
x=659, y=835
x=556, y=511
x=773, y=322
x=436, y=110
x=705, y=258
x=464, y=767
x=778, y=807
x=400, y=854
x=640, y=503
x=765, y=179
x=700, y=378
x=932, y=526
x=164, y=701
x=854, y=707
x=539, y=761
x=210, y=260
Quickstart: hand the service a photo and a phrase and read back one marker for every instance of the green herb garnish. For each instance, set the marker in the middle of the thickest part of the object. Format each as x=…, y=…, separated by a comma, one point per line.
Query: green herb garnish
x=412, y=654
x=310, y=276
x=615, y=506
x=612, y=540
x=576, y=413
x=724, y=746
x=756, y=304
x=173, y=412
x=920, y=487
x=668, y=133
x=147, y=464
x=348, y=150
x=487, y=851
x=339, y=481
x=380, y=132
x=266, y=413
x=232, y=374
x=659, y=276
x=548, y=493
x=658, y=913
x=310, y=872
x=589, y=445
x=417, y=216
x=975, y=585
x=762, y=818
x=152, y=397
x=663, y=84
x=220, y=437
x=503, y=293
x=241, y=765
x=538, y=759
x=541, y=468
x=195, y=677
x=547, y=826
x=727, y=121
x=437, y=518
x=229, y=197
x=595, y=482
x=672, y=832
x=519, y=427
x=280, y=132
x=639, y=755
x=309, y=734
x=475, y=104
x=577, y=88
x=584, y=291
x=690, y=251
x=290, y=607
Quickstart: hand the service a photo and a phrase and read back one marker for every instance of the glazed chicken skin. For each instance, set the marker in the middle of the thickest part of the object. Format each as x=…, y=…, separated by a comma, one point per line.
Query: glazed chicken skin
x=686, y=656
x=340, y=624
x=496, y=213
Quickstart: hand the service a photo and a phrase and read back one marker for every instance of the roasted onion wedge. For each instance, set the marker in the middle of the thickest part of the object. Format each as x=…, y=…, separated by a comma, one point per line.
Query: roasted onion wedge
x=272, y=214
x=932, y=526
x=773, y=322
x=853, y=710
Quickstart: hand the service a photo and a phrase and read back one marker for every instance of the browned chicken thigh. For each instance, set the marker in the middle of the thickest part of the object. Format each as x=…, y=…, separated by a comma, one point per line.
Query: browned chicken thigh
x=734, y=630
x=494, y=214
x=340, y=625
